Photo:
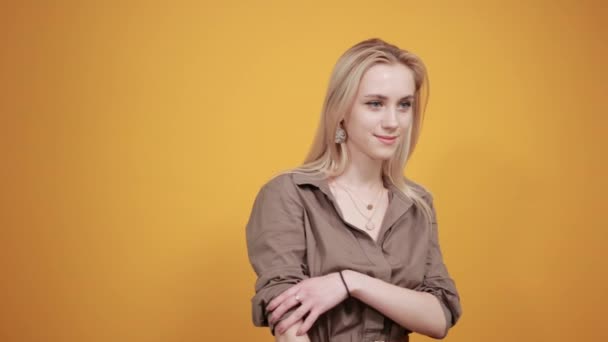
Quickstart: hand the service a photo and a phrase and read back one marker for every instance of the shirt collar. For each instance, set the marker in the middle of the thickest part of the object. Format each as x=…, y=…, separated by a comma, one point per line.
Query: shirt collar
x=399, y=202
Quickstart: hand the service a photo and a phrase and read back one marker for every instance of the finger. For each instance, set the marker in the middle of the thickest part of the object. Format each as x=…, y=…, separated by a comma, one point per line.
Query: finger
x=281, y=309
x=308, y=322
x=292, y=319
x=280, y=298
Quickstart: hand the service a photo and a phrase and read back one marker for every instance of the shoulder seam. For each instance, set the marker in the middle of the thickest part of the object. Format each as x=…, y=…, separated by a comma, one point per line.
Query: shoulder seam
x=284, y=184
x=421, y=188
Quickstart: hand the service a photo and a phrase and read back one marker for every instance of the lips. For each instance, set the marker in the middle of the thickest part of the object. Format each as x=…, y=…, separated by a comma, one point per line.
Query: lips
x=388, y=137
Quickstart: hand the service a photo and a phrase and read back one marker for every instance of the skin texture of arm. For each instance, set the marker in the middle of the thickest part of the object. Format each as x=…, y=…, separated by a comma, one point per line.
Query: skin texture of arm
x=418, y=311
x=290, y=334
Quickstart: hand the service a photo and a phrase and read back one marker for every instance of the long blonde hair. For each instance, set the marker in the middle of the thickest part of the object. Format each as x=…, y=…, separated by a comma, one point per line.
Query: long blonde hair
x=329, y=159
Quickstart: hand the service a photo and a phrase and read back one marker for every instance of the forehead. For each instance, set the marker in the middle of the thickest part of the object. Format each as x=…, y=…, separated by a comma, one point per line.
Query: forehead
x=393, y=80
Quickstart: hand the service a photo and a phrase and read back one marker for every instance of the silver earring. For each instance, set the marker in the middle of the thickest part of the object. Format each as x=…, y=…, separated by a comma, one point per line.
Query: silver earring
x=340, y=135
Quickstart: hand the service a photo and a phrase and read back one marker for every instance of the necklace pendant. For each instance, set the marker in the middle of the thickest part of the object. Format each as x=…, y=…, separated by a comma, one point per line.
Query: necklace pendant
x=370, y=207
x=369, y=226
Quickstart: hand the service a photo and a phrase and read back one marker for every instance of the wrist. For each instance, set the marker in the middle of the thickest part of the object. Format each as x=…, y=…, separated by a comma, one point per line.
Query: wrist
x=345, y=285
x=353, y=280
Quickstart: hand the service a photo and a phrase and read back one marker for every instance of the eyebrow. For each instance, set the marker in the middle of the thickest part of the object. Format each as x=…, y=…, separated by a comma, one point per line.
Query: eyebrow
x=408, y=97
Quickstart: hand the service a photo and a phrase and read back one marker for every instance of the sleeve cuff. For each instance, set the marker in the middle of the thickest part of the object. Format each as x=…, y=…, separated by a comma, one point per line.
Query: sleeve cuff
x=447, y=313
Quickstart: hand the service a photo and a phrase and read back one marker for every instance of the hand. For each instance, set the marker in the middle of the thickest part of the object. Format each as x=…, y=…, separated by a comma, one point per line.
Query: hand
x=315, y=295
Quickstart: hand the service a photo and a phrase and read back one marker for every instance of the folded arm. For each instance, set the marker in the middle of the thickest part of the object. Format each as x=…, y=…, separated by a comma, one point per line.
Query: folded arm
x=276, y=245
x=290, y=334
x=417, y=311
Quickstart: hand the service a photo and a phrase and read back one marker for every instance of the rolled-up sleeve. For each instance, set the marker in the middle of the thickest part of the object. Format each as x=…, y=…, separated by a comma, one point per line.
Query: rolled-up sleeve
x=437, y=280
x=276, y=244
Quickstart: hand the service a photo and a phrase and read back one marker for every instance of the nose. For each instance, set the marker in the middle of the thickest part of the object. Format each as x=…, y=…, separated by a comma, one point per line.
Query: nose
x=389, y=120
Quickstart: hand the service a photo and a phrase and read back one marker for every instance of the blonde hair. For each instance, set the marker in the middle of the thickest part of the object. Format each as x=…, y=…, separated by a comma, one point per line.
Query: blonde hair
x=329, y=159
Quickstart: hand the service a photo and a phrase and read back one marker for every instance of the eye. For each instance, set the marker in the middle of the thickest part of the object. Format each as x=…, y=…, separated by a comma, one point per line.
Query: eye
x=407, y=103
x=373, y=103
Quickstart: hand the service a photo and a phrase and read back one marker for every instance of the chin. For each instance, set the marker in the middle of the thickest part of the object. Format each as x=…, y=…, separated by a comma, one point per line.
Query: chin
x=383, y=156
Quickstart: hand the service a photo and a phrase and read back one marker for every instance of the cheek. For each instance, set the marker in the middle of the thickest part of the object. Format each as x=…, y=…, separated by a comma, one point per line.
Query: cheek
x=361, y=124
x=407, y=120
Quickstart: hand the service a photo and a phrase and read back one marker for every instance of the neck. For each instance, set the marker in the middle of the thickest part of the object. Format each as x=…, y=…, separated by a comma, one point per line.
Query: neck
x=362, y=172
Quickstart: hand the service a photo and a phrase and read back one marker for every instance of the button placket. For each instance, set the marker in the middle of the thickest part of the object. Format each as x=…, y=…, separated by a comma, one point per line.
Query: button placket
x=373, y=324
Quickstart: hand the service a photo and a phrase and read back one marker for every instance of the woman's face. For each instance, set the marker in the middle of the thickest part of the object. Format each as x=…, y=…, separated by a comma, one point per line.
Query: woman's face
x=381, y=109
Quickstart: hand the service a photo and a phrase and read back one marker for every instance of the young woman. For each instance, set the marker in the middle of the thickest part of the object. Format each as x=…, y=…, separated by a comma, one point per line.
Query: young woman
x=346, y=247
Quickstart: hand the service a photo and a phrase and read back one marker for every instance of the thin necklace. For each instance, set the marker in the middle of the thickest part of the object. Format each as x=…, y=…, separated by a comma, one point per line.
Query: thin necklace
x=369, y=206
x=369, y=225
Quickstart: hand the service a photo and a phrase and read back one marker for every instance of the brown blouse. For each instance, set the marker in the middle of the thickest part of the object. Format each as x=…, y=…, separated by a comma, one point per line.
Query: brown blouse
x=296, y=231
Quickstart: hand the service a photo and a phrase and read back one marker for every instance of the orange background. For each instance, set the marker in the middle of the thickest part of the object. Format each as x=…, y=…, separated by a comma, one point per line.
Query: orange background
x=135, y=135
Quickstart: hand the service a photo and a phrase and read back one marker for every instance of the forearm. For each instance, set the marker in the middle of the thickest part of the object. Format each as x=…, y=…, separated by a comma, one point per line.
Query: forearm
x=290, y=334
x=417, y=311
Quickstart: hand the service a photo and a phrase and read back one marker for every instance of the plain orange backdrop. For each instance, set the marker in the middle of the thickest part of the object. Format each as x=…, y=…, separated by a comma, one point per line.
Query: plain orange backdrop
x=135, y=135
